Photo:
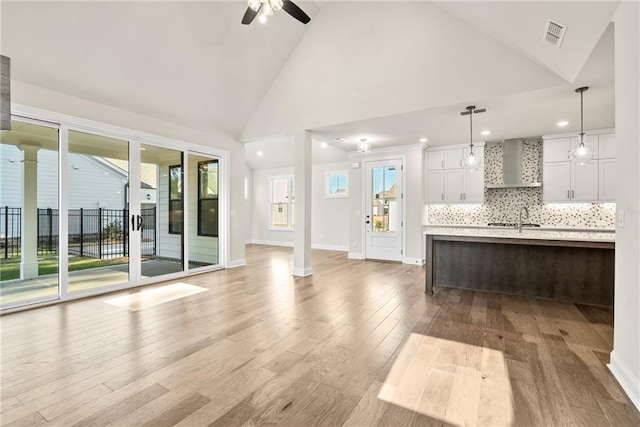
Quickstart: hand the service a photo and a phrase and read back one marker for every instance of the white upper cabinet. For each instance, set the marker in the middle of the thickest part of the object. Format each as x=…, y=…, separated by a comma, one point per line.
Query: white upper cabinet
x=454, y=185
x=435, y=186
x=435, y=160
x=607, y=146
x=584, y=182
x=474, y=186
x=565, y=181
x=607, y=178
x=448, y=182
x=556, y=150
x=453, y=158
x=556, y=182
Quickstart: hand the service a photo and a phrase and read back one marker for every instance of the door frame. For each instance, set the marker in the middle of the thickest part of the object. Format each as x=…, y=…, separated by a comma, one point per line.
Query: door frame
x=363, y=201
x=67, y=123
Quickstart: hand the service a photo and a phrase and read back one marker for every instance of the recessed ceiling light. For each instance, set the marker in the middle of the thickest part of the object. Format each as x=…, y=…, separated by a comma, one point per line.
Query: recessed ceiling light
x=562, y=123
x=485, y=132
x=423, y=139
x=259, y=153
x=323, y=145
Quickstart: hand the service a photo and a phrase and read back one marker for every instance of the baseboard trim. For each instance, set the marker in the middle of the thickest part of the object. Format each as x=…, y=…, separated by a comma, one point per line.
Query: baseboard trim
x=625, y=378
x=302, y=272
x=290, y=245
x=330, y=247
x=355, y=255
x=272, y=243
x=237, y=263
x=413, y=261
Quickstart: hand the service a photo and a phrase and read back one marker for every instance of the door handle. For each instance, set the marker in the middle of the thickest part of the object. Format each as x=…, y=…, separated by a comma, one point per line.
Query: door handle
x=139, y=225
x=573, y=194
x=133, y=223
x=568, y=194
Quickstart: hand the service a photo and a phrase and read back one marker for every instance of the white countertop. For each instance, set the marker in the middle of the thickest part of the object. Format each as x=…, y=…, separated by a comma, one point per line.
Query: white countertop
x=544, y=227
x=527, y=233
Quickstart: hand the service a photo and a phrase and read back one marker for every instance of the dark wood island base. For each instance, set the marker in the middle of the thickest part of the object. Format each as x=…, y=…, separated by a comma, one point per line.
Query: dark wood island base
x=566, y=270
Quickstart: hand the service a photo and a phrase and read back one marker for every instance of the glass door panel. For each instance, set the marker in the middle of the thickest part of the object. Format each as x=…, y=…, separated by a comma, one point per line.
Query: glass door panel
x=202, y=197
x=161, y=209
x=28, y=214
x=98, y=219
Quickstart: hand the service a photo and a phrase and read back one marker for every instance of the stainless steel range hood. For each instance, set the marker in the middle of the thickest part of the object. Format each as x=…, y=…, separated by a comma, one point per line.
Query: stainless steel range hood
x=513, y=166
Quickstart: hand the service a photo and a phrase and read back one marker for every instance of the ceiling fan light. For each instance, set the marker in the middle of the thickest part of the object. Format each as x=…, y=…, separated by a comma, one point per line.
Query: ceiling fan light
x=254, y=4
x=267, y=10
x=276, y=5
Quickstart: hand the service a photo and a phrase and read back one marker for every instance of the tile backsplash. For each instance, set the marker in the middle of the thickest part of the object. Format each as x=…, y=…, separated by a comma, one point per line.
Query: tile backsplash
x=503, y=204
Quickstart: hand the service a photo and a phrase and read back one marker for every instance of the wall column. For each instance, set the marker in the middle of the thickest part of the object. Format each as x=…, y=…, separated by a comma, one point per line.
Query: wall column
x=29, y=226
x=625, y=357
x=302, y=194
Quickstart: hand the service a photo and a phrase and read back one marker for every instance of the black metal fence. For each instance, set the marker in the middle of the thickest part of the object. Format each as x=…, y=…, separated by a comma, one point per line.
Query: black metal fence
x=10, y=227
x=95, y=233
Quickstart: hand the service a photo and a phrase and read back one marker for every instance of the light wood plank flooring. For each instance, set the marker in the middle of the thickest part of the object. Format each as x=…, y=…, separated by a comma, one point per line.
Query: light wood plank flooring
x=356, y=344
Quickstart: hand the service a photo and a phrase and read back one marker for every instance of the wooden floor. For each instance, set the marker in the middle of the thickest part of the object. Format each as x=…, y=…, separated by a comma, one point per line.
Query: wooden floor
x=358, y=343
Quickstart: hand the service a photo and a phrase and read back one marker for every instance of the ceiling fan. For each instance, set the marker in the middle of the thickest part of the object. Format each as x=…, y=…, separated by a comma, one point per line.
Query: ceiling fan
x=267, y=7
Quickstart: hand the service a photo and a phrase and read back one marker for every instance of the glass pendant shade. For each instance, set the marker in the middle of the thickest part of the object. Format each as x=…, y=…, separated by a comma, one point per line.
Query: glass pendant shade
x=276, y=5
x=582, y=154
x=472, y=162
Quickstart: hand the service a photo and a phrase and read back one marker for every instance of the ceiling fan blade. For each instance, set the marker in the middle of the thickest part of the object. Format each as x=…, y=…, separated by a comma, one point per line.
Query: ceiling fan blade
x=250, y=15
x=292, y=9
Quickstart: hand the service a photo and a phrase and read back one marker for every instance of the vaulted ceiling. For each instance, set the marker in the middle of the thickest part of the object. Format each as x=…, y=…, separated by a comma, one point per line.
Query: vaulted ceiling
x=356, y=64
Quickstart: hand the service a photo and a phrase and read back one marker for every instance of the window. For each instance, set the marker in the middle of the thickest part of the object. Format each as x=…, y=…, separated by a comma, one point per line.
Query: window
x=336, y=184
x=282, y=203
x=176, y=217
x=208, y=198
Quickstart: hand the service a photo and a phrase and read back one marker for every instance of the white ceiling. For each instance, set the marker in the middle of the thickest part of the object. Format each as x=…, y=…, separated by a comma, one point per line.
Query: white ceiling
x=191, y=63
x=389, y=71
x=527, y=114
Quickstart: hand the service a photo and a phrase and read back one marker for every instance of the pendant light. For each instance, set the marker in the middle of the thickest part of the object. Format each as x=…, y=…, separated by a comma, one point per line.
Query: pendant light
x=582, y=154
x=471, y=162
x=363, y=146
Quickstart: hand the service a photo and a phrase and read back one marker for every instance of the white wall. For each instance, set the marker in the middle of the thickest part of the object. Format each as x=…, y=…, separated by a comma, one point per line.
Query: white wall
x=625, y=357
x=329, y=228
x=413, y=199
x=38, y=97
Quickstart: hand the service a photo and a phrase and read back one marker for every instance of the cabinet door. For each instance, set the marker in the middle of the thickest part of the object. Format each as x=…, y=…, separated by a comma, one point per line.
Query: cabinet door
x=435, y=160
x=607, y=145
x=556, y=150
x=453, y=185
x=556, y=182
x=584, y=182
x=607, y=177
x=435, y=186
x=474, y=185
x=452, y=158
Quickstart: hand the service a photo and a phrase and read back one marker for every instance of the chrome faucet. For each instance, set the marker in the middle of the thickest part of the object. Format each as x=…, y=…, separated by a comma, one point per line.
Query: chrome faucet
x=526, y=211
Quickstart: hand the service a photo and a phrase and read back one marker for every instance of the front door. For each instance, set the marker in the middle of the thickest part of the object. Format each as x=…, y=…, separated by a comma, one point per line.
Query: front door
x=383, y=213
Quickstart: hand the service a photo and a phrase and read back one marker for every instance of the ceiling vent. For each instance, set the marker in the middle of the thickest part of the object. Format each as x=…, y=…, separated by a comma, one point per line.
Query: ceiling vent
x=554, y=33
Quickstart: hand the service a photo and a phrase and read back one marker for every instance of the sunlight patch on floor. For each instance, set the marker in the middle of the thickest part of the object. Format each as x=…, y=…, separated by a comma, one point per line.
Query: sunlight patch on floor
x=451, y=382
x=151, y=297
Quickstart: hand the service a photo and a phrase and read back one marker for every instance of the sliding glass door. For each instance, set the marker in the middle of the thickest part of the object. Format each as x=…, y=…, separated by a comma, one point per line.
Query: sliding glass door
x=161, y=211
x=122, y=211
x=204, y=213
x=98, y=212
x=28, y=213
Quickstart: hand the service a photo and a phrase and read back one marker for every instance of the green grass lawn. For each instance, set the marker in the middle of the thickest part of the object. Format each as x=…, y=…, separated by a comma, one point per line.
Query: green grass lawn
x=10, y=268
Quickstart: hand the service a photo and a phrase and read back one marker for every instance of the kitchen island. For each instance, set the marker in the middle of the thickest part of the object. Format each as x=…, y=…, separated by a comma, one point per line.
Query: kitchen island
x=575, y=266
